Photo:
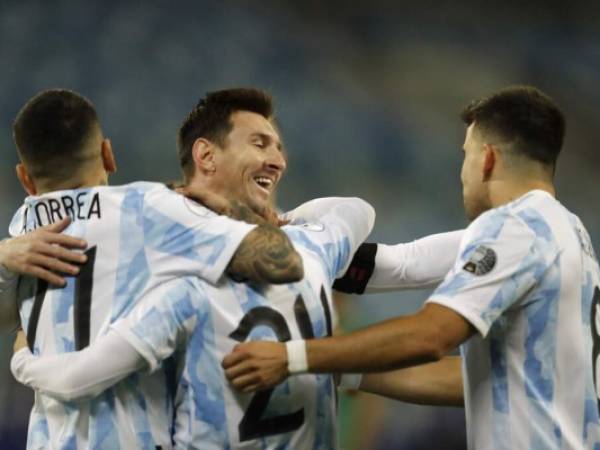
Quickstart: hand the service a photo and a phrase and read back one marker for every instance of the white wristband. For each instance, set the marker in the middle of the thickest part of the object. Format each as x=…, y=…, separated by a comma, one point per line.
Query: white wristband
x=350, y=381
x=296, y=354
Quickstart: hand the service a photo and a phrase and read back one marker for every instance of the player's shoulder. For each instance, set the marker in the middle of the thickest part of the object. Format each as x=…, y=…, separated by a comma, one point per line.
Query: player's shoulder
x=313, y=241
x=525, y=220
x=18, y=223
x=136, y=187
x=309, y=234
x=180, y=296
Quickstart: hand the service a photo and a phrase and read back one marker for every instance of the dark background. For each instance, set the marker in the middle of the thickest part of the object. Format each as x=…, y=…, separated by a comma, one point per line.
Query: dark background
x=367, y=94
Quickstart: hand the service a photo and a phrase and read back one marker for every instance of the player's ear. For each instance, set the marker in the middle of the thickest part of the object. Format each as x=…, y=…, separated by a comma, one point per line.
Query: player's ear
x=203, y=153
x=25, y=179
x=489, y=161
x=108, y=157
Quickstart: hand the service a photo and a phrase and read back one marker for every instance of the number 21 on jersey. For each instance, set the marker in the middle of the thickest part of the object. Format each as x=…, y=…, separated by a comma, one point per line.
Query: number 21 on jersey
x=253, y=425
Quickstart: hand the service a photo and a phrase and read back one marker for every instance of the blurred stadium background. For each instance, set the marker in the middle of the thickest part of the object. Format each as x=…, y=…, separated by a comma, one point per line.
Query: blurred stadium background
x=367, y=93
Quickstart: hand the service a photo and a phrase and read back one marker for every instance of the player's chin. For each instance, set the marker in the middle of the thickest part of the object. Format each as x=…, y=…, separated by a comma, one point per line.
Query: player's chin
x=259, y=204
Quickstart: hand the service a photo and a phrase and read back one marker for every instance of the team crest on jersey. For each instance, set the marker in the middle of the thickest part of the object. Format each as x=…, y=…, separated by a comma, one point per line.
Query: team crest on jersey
x=482, y=261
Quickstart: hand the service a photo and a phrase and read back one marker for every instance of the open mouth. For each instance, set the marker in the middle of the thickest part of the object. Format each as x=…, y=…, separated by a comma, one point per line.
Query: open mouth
x=264, y=183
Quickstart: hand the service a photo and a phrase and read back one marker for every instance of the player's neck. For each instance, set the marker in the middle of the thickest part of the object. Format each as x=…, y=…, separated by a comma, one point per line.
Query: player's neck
x=43, y=187
x=505, y=191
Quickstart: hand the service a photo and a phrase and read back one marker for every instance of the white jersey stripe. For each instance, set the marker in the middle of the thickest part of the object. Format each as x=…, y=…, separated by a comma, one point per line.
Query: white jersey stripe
x=525, y=278
x=143, y=235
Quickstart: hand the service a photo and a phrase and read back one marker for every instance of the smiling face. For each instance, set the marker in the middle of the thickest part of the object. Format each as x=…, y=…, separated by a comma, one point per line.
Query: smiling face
x=475, y=190
x=251, y=163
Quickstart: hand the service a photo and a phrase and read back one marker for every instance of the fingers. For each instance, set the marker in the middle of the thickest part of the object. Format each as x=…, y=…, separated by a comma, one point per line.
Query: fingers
x=45, y=275
x=64, y=240
x=247, y=383
x=253, y=366
x=239, y=370
x=52, y=234
x=282, y=222
x=63, y=254
x=58, y=227
x=235, y=357
x=246, y=377
x=54, y=264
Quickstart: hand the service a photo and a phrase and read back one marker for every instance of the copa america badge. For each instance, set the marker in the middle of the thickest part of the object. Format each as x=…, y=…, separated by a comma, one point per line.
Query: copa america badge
x=482, y=261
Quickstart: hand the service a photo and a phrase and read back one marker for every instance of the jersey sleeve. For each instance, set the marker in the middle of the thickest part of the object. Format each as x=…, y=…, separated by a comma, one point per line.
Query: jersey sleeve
x=417, y=264
x=189, y=238
x=499, y=261
x=76, y=375
x=338, y=225
x=420, y=263
x=162, y=320
x=18, y=223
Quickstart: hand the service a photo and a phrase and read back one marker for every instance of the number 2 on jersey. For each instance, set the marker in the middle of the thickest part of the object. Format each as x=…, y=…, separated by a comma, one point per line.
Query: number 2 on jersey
x=252, y=425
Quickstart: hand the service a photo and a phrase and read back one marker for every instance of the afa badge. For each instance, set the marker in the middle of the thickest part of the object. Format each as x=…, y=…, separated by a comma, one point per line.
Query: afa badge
x=482, y=261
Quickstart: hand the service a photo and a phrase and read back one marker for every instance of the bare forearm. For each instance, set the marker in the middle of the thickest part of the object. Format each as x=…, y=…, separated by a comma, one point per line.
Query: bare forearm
x=397, y=343
x=9, y=314
x=267, y=255
x=438, y=383
x=372, y=349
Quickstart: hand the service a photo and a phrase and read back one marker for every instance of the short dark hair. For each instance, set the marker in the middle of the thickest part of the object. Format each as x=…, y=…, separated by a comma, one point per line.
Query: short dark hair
x=211, y=119
x=51, y=132
x=522, y=115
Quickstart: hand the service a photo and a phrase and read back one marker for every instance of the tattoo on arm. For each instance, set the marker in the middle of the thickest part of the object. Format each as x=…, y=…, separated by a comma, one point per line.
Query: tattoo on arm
x=239, y=211
x=266, y=255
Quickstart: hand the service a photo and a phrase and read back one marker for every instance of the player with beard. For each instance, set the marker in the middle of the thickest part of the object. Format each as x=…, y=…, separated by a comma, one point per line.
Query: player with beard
x=335, y=226
x=139, y=236
x=521, y=300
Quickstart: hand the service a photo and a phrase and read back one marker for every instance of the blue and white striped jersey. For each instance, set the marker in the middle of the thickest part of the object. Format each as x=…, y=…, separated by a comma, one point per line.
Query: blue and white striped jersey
x=139, y=236
x=527, y=279
x=202, y=323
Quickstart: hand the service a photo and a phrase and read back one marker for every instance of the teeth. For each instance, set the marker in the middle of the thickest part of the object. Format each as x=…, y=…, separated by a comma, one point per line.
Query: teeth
x=264, y=181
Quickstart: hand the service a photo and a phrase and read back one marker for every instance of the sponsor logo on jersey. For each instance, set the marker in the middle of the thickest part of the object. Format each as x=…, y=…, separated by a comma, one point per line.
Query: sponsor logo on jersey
x=482, y=261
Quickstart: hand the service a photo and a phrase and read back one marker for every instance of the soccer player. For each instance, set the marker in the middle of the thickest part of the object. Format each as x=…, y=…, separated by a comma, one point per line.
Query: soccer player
x=203, y=323
x=522, y=297
x=44, y=253
x=197, y=148
x=70, y=385
x=139, y=236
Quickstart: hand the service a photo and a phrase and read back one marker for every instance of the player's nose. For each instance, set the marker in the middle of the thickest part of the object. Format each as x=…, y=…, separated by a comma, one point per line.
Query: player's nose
x=276, y=160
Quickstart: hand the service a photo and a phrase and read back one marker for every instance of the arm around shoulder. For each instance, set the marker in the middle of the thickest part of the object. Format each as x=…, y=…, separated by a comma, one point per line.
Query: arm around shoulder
x=77, y=375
